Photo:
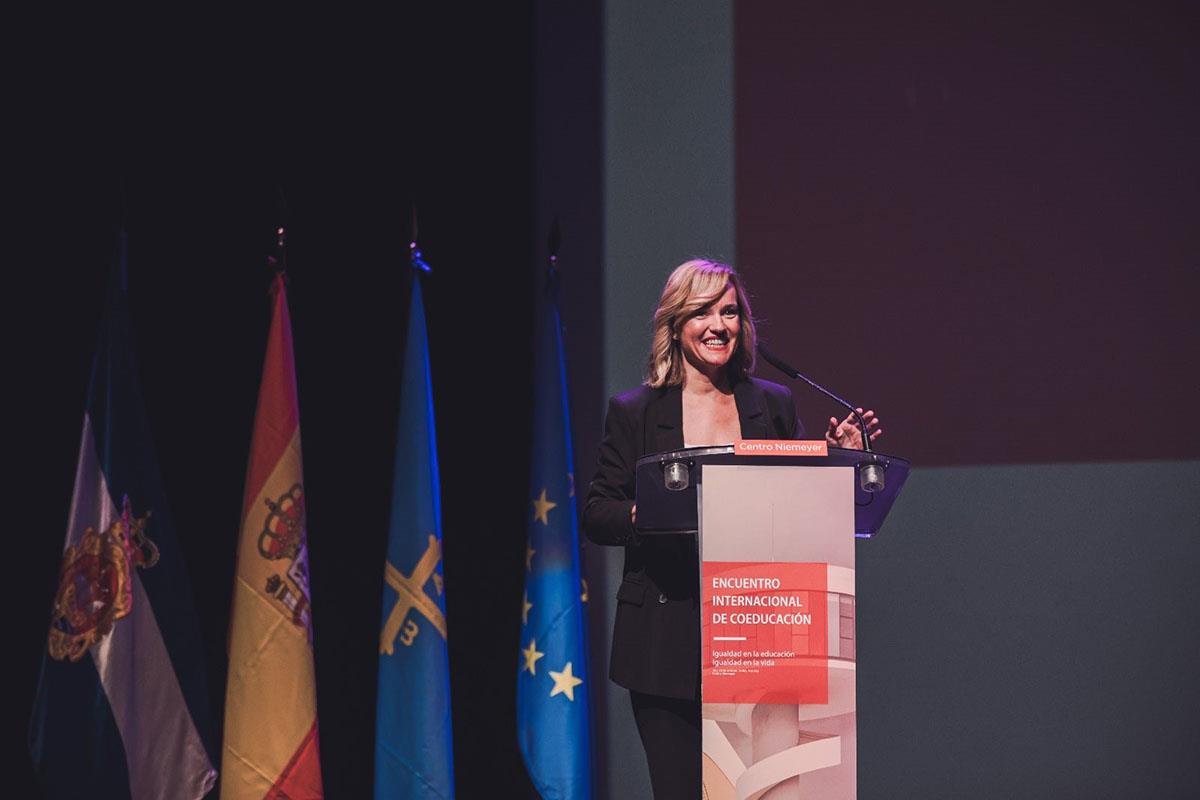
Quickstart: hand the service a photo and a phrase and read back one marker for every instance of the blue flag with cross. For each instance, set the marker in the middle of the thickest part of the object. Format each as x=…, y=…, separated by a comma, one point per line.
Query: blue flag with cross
x=413, y=751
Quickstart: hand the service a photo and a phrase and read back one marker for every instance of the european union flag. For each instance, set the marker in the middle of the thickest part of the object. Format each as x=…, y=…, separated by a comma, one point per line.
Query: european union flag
x=552, y=676
x=413, y=751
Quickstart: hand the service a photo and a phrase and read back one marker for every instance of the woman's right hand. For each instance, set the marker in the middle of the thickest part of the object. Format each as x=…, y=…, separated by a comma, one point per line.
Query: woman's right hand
x=846, y=434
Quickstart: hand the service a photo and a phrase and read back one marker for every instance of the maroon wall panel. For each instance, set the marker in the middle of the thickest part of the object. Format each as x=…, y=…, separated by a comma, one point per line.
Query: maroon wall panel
x=980, y=222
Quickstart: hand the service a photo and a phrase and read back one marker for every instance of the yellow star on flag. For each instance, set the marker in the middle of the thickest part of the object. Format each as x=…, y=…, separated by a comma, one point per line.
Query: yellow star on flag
x=525, y=610
x=529, y=551
x=565, y=682
x=541, y=508
x=531, y=656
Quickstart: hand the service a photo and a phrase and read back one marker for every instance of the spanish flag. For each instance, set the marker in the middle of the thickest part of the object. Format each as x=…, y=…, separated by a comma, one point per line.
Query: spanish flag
x=270, y=746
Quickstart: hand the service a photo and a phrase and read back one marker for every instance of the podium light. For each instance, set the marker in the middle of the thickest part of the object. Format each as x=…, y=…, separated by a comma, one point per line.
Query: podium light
x=675, y=475
x=870, y=477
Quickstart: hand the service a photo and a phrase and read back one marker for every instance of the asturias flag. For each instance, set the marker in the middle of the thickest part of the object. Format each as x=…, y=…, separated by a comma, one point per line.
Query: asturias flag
x=413, y=756
x=270, y=701
x=552, y=678
x=121, y=708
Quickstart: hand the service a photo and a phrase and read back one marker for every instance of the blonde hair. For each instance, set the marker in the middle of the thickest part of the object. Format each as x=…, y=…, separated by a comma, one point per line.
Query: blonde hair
x=690, y=287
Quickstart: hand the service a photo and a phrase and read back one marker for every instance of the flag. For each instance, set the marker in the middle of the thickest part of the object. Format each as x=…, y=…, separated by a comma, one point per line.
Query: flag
x=413, y=754
x=552, y=676
x=121, y=709
x=270, y=746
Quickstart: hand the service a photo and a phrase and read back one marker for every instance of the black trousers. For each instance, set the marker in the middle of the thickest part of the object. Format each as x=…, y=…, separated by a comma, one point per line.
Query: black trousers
x=670, y=731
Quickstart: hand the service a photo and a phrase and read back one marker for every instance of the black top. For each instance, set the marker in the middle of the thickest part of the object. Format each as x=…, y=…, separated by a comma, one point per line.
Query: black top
x=656, y=637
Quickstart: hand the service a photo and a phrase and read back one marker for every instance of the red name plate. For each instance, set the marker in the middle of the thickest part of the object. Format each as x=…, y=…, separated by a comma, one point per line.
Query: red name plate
x=765, y=633
x=781, y=447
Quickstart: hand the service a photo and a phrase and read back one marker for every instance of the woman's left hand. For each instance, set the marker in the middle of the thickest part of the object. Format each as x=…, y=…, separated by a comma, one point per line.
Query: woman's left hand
x=848, y=435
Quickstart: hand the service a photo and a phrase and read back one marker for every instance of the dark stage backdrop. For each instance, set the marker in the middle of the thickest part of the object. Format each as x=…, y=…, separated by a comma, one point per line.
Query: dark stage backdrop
x=186, y=138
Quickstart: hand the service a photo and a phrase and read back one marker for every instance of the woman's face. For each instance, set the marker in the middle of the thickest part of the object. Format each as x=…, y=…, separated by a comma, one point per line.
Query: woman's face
x=709, y=337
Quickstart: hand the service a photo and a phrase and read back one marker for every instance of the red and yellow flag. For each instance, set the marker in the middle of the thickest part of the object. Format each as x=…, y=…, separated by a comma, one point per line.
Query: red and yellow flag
x=271, y=700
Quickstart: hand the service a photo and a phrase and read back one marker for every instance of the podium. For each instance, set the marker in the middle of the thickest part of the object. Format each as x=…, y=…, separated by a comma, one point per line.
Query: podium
x=776, y=523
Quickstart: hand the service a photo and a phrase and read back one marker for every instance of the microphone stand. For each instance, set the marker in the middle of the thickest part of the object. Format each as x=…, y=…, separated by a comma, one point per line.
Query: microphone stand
x=870, y=474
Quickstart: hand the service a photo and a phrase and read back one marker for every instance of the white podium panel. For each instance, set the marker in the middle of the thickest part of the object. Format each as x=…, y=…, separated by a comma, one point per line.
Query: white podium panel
x=777, y=631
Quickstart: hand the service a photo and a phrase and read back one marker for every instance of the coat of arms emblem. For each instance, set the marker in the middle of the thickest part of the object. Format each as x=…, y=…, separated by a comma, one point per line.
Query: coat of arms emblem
x=95, y=585
x=282, y=538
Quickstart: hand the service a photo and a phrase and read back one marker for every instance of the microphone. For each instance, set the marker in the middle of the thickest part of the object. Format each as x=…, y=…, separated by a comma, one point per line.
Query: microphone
x=870, y=475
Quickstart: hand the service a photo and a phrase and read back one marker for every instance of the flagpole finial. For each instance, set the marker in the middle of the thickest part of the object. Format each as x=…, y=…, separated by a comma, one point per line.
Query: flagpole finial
x=414, y=252
x=553, y=242
x=418, y=262
x=277, y=261
x=280, y=263
x=281, y=247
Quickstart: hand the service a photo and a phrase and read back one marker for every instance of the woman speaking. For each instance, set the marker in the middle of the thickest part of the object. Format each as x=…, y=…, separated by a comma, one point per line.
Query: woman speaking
x=698, y=391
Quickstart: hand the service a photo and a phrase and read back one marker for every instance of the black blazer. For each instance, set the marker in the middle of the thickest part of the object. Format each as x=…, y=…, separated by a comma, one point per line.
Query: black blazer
x=656, y=637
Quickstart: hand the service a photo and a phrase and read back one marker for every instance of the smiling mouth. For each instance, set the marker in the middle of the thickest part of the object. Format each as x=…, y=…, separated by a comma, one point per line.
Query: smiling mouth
x=715, y=344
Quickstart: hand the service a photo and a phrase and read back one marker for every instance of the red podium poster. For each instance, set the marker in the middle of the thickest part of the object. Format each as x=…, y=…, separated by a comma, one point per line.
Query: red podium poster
x=764, y=628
